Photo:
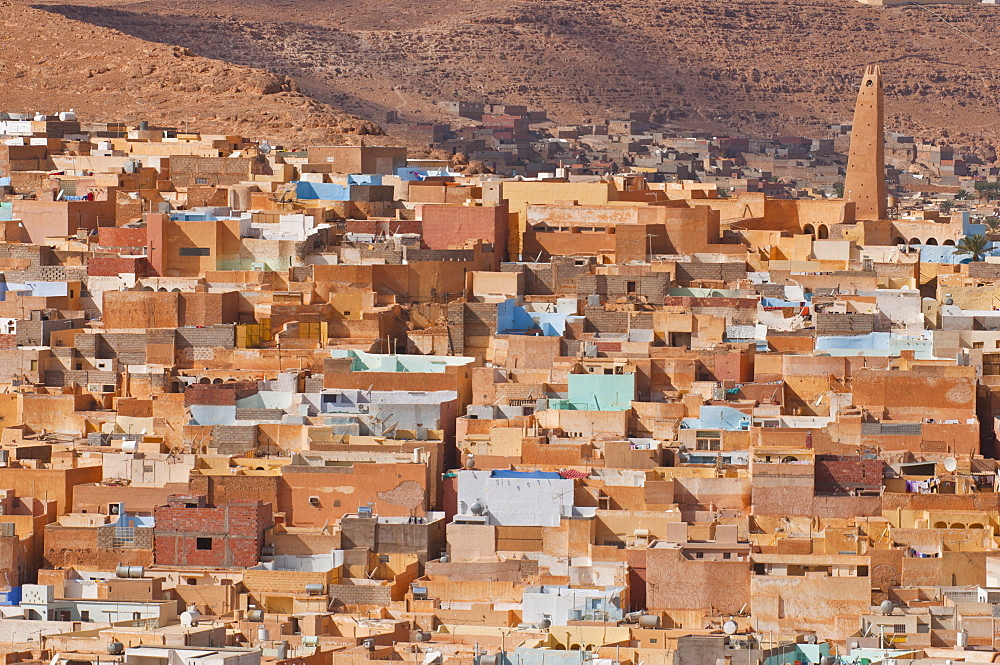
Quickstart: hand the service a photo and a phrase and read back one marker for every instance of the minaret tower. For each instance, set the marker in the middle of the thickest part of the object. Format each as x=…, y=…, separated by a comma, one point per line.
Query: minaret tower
x=865, y=183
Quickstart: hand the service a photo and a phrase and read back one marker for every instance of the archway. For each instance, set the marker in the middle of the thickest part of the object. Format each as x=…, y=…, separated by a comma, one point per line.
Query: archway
x=914, y=241
x=899, y=241
x=975, y=525
x=824, y=232
x=204, y=379
x=949, y=242
x=932, y=241
x=217, y=381
x=957, y=525
x=940, y=525
x=808, y=228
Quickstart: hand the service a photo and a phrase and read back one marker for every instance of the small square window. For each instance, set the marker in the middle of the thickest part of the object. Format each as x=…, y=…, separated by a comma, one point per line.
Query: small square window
x=203, y=543
x=201, y=181
x=383, y=558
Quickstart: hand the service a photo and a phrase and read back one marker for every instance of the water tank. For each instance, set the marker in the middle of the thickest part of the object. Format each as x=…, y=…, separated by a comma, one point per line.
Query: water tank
x=368, y=643
x=4, y=458
x=444, y=558
x=68, y=116
x=143, y=125
x=39, y=117
x=310, y=640
x=421, y=636
x=962, y=641
x=133, y=572
x=263, y=635
x=649, y=621
x=315, y=589
x=886, y=607
x=477, y=508
x=489, y=659
x=282, y=650
x=545, y=623
x=470, y=462
x=190, y=618
x=255, y=615
x=115, y=647
x=129, y=446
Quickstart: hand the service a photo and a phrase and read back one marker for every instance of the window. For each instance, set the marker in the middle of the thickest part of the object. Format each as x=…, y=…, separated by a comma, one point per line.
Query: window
x=708, y=443
x=203, y=543
x=630, y=287
x=136, y=616
x=79, y=366
x=201, y=181
x=899, y=628
x=383, y=558
x=194, y=251
x=34, y=365
x=192, y=581
x=84, y=615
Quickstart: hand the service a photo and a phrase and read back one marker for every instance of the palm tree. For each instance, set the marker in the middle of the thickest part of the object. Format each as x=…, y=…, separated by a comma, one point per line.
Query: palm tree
x=964, y=195
x=993, y=224
x=976, y=245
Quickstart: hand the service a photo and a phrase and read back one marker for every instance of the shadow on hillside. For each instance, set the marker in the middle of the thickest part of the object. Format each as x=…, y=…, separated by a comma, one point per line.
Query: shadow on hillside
x=231, y=42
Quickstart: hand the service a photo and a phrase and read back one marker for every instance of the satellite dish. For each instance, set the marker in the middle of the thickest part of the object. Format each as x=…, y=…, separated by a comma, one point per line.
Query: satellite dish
x=886, y=607
x=950, y=464
x=730, y=627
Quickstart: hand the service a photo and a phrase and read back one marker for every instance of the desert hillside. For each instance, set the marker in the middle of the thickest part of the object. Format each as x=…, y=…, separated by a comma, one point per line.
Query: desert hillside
x=744, y=65
x=51, y=63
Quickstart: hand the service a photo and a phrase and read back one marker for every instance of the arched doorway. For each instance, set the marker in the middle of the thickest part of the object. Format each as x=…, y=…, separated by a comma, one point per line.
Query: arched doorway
x=950, y=243
x=898, y=241
x=914, y=241
x=808, y=228
x=932, y=241
x=824, y=232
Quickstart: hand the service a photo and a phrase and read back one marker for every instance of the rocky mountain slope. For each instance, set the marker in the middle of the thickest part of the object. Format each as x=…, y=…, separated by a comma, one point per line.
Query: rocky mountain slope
x=738, y=65
x=51, y=63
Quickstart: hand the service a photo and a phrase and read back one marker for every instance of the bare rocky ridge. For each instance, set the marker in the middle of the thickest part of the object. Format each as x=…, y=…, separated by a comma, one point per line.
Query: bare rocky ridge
x=753, y=66
x=51, y=63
